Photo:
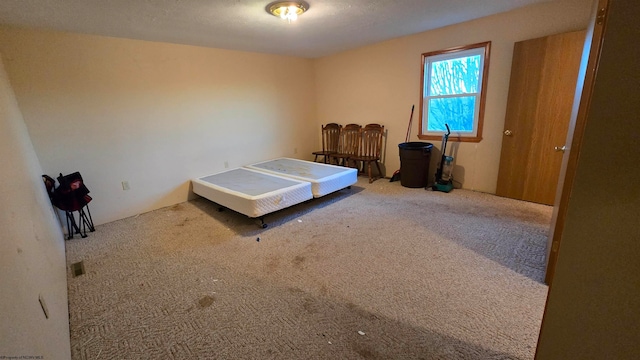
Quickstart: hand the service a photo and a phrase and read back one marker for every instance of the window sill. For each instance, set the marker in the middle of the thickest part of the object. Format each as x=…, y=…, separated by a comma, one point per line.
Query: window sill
x=452, y=138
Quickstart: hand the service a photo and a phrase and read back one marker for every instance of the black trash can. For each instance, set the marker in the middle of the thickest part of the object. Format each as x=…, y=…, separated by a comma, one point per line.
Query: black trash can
x=415, y=157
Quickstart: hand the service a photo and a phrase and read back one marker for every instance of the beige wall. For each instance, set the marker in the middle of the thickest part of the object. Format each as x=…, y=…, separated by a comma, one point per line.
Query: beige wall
x=154, y=114
x=593, y=309
x=32, y=259
x=157, y=114
x=379, y=83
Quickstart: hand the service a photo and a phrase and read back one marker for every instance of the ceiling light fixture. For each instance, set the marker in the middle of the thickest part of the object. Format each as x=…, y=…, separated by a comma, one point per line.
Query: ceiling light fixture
x=287, y=10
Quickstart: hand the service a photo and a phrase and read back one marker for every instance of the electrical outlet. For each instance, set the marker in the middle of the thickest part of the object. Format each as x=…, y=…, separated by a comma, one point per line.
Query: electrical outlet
x=226, y=164
x=125, y=185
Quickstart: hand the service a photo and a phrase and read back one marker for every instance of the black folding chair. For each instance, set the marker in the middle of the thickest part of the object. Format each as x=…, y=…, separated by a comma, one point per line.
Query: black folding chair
x=71, y=196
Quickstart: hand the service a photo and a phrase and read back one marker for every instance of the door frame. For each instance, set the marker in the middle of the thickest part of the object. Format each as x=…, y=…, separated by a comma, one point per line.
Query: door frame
x=581, y=105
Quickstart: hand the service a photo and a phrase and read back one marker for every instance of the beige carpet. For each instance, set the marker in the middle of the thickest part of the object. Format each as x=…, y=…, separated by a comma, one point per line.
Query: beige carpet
x=377, y=271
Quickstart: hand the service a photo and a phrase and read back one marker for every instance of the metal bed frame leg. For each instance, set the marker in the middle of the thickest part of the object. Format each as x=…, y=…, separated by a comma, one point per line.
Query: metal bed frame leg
x=262, y=223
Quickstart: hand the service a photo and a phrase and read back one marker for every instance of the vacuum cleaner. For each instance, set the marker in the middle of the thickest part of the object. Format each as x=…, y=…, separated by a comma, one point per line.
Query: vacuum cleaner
x=444, y=177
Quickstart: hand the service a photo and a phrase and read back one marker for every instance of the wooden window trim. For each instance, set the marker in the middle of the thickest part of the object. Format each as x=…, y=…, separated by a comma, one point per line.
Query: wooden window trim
x=483, y=91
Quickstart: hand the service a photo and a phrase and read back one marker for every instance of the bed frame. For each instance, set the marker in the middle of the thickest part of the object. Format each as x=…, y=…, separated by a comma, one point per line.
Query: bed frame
x=324, y=178
x=262, y=188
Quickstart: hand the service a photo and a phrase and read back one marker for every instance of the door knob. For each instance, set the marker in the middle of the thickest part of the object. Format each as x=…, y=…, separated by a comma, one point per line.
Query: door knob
x=558, y=148
x=508, y=132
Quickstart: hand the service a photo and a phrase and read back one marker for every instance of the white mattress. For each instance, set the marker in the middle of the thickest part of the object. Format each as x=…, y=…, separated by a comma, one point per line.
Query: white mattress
x=324, y=178
x=250, y=192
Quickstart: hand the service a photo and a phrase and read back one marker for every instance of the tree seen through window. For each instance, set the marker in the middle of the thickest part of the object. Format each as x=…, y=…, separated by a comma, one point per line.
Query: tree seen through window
x=452, y=91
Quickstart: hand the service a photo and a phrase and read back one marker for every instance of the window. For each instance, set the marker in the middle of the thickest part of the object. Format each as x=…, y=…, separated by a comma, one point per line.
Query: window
x=453, y=92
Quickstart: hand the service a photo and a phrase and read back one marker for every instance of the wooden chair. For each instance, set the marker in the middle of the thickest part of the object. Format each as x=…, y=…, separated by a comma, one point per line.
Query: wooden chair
x=370, y=148
x=348, y=144
x=330, y=138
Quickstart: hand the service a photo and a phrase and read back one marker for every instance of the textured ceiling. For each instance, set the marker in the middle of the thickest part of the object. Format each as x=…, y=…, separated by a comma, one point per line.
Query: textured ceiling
x=330, y=26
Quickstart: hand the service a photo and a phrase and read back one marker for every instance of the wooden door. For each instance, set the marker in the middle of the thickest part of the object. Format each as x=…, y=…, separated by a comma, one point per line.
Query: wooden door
x=541, y=91
x=584, y=89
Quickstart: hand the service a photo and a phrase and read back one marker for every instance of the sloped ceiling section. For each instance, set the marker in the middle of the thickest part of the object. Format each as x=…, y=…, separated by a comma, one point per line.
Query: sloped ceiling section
x=329, y=27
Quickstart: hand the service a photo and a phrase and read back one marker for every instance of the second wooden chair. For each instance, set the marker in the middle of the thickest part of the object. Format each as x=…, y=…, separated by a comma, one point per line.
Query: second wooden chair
x=370, y=148
x=348, y=144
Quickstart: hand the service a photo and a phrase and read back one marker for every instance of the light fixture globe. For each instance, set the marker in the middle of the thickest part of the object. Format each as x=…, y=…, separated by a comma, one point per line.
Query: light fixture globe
x=287, y=10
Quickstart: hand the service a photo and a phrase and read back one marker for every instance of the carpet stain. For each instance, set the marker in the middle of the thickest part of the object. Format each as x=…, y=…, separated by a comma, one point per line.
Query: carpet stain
x=272, y=264
x=177, y=207
x=367, y=354
x=184, y=222
x=206, y=301
x=310, y=305
x=324, y=290
x=361, y=313
x=298, y=260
